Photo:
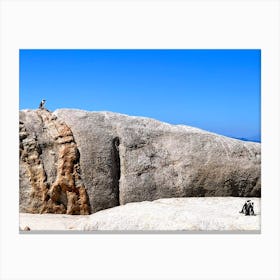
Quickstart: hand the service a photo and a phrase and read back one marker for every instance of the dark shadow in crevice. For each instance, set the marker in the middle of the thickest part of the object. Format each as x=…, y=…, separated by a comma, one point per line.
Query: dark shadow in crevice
x=116, y=170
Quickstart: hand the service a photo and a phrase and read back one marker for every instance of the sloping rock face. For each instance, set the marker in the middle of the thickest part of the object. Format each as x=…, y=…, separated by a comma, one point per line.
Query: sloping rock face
x=126, y=159
x=193, y=214
x=189, y=214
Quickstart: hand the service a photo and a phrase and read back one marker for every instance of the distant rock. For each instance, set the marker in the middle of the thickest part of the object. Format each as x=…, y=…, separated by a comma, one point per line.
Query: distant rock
x=253, y=139
x=183, y=214
x=121, y=159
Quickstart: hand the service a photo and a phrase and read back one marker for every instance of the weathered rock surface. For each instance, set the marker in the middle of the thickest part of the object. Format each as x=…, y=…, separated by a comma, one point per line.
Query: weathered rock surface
x=193, y=214
x=126, y=159
x=49, y=159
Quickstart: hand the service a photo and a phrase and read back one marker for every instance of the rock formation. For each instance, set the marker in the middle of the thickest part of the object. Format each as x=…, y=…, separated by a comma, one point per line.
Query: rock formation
x=49, y=158
x=199, y=213
x=191, y=213
x=76, y=162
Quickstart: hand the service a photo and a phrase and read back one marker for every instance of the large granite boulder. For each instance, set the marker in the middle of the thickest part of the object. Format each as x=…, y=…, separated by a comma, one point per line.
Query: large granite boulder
x=121, y=159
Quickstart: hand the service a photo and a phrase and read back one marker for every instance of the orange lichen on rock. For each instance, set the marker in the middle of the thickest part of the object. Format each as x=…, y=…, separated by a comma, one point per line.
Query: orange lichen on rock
x=65, y=182
x=67, y=193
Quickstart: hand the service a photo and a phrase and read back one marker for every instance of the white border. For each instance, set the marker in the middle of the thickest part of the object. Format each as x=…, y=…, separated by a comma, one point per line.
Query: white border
x=140, y=24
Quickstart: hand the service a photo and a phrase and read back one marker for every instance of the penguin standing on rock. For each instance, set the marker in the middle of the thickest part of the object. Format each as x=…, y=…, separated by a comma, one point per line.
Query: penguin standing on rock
x=42, y=103
x=248, y=208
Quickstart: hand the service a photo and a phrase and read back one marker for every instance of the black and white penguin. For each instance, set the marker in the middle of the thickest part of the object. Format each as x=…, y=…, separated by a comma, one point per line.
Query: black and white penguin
x=42, y=103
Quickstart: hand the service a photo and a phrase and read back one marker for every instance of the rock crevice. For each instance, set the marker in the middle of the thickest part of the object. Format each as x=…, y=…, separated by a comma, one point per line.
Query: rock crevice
x=116, y=168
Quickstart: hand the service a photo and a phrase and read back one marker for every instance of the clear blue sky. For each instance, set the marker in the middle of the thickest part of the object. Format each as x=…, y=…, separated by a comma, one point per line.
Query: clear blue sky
x=216, y=90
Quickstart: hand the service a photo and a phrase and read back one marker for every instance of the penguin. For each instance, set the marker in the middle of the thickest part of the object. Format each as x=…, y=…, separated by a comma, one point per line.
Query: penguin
x=248, y=208
x=42, y=103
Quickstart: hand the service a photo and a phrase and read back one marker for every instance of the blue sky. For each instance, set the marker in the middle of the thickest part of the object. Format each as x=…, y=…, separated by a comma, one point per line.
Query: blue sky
x=216, y=90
